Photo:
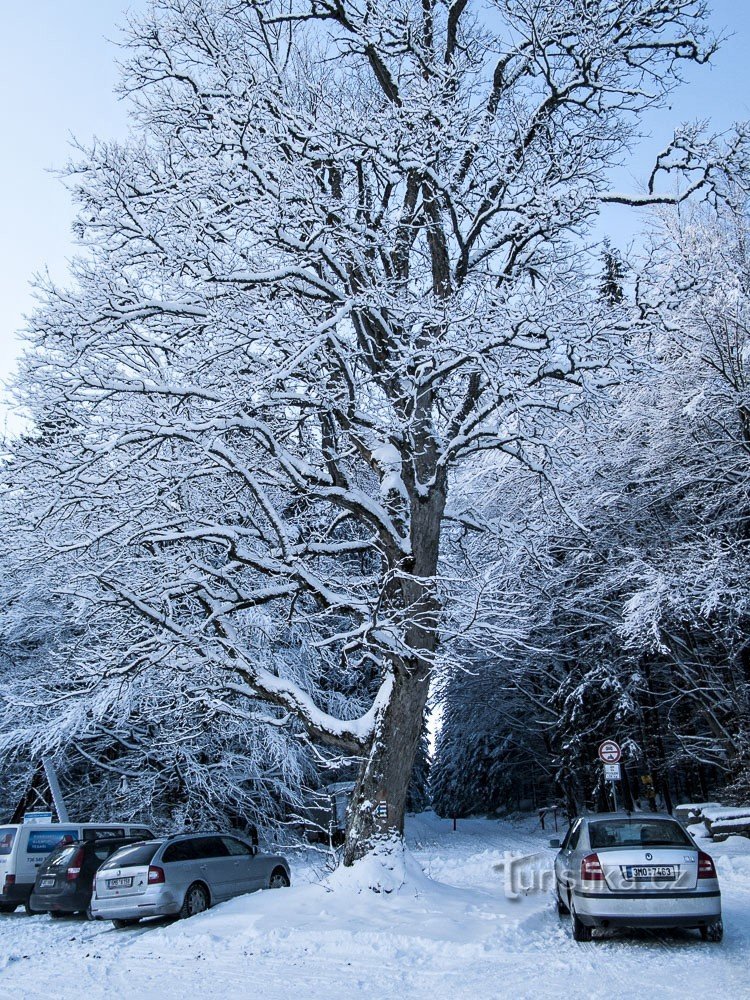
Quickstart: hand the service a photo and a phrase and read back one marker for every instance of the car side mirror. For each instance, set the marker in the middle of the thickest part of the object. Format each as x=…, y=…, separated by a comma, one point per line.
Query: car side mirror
x=555, y=842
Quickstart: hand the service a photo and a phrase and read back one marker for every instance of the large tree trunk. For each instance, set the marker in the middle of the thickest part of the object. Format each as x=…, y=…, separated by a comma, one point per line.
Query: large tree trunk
x=379, y=801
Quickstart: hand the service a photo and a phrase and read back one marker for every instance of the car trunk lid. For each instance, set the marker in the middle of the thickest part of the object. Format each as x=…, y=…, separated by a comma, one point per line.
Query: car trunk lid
x=649, y=870
x=125, y=873
x=122, y=881
x=62, y=867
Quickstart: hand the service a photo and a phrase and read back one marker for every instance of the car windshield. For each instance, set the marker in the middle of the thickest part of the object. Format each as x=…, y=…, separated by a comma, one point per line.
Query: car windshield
x=635, y=832
x=7, y=836
x=132, y=857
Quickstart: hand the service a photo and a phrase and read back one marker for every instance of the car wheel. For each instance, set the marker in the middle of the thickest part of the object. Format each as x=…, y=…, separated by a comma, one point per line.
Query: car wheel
x=196, y=901
x=56, y=914
x=279, y=879
x=714, y=931
x=580, y=931
x=7, y=907
x=29, y=911
x=125, y=922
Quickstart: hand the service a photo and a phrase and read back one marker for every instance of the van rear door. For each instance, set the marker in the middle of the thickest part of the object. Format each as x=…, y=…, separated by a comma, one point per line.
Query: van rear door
x=7, y=838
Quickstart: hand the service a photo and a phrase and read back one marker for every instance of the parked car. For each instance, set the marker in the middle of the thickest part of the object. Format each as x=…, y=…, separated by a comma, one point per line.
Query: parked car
x=182, y=875
x=635, y=870
x=24, y=846
x=65, y=881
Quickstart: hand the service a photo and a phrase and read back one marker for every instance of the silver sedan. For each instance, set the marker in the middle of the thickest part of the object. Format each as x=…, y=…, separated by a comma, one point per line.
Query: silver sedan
x=635, y=870
x=181, y=875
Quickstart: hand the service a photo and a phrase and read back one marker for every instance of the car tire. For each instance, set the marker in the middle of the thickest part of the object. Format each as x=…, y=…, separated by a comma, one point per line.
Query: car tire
x=580, y=931
x=8, y=907
x=196, y=901
x=279, y=879
x=29, y=911
x=120, y=922
x=562, y=908
x=56, y=914
x=713, y=932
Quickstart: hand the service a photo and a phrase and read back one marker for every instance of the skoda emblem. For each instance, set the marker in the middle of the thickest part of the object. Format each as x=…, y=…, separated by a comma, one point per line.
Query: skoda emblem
x=648, y=856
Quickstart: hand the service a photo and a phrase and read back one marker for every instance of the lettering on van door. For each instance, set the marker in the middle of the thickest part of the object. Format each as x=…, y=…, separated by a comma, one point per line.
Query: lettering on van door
x=45, y=841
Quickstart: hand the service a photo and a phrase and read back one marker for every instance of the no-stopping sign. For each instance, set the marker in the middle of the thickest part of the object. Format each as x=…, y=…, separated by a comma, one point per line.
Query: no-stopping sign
x=610, y=752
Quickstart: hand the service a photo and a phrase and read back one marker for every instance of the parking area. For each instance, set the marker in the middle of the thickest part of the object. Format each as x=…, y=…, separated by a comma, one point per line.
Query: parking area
x=460, y=932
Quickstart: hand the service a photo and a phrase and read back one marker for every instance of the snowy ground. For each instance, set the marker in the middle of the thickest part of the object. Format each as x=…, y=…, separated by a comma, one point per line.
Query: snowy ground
x=453, y=935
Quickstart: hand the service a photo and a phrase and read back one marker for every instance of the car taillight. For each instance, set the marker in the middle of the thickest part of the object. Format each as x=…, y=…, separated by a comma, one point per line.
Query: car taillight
x=155, y=875
x=706, y=867
x=10, y=879
x=74, y=868
x=591, y=869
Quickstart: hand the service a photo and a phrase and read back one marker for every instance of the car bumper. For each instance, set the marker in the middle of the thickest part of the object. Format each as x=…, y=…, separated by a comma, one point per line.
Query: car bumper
x=60, y=902
x=18, y=893
x=687, y=909
x=152, y=903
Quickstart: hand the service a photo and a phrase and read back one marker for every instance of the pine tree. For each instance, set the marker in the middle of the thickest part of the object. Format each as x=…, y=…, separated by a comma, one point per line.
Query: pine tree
x=613, y=274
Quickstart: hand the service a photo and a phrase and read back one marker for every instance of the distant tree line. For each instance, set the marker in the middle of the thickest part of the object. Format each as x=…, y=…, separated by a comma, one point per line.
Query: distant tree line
x=641, y=580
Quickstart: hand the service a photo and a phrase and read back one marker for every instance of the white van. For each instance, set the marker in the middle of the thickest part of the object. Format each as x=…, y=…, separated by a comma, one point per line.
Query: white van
x=24, y=846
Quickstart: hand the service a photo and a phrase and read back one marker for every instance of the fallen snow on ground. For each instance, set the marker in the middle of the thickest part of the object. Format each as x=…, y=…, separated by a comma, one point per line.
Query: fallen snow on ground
x=445, y=924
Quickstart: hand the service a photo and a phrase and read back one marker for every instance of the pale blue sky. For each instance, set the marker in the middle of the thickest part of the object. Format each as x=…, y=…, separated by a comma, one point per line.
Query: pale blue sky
x=57, y=73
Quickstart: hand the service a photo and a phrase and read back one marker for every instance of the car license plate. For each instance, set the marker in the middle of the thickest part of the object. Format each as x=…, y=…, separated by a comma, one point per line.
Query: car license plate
x=45, y=883
x=650, y=872
x=119, y=883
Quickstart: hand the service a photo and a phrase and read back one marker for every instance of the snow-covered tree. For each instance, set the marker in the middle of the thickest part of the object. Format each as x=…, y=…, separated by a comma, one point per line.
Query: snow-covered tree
x=641, y=626
x=339, y=261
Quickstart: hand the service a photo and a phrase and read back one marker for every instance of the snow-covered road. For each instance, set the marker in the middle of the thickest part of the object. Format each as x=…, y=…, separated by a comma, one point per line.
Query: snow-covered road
x=454, y=935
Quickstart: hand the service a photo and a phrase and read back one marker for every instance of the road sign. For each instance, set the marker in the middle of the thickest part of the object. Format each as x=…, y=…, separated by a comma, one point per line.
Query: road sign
x=610, y=752
x=612, y=772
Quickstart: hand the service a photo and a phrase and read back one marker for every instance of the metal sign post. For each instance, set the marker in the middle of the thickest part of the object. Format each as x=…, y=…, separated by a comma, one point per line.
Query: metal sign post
x=54, y=787
x=610, y=755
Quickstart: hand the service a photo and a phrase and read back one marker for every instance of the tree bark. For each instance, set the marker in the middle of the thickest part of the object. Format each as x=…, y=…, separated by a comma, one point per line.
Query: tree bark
x=379, y=801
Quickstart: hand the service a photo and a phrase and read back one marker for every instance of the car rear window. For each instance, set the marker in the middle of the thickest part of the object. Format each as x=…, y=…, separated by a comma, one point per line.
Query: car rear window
x=132, y=857
x=62, y=856
x=637, y=832
x=7, y=836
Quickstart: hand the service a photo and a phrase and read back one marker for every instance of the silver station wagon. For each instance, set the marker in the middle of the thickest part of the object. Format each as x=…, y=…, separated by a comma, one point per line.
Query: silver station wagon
x=635, y=870
x=181, y=875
